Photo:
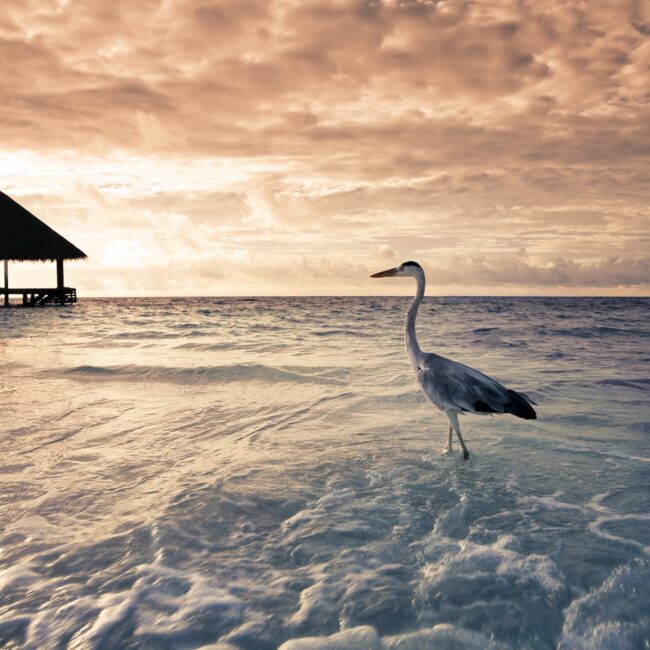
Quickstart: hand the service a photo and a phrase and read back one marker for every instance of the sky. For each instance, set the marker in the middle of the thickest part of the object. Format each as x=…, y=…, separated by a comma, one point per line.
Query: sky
x=293, y=147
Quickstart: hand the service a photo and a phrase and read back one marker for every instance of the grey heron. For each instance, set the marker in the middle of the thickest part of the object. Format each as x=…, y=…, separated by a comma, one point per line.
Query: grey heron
x=453, y=387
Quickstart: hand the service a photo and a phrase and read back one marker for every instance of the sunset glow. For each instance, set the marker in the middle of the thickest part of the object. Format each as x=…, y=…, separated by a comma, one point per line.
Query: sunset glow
x=278, y=148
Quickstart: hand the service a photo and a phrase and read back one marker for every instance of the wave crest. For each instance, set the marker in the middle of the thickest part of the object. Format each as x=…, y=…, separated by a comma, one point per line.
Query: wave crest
x=207, y=374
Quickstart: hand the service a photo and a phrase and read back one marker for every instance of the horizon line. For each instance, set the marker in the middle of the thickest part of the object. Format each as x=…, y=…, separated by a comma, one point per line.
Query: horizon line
x=315, y=295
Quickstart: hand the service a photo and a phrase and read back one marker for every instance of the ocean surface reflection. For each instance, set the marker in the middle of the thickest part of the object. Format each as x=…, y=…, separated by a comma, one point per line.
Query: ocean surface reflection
x=243, y=473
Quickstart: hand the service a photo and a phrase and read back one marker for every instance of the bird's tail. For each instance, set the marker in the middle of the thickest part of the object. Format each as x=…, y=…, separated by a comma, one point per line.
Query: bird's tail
x=520, y=406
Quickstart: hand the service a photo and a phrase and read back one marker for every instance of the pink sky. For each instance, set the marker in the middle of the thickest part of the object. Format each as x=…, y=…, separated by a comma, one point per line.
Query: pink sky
x=294, y=147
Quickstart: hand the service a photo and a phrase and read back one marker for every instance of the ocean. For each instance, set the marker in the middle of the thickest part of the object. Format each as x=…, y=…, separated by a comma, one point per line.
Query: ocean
x=248, y=473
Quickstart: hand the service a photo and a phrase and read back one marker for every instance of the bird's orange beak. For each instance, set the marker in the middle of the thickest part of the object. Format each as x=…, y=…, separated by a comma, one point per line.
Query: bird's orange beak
x=385, y=274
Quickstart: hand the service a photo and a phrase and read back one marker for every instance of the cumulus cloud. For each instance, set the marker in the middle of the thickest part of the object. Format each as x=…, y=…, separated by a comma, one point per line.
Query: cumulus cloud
x=273, y=135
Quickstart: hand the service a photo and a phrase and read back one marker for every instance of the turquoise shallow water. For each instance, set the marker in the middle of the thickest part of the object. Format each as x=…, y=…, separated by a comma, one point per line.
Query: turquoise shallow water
x=247, y=473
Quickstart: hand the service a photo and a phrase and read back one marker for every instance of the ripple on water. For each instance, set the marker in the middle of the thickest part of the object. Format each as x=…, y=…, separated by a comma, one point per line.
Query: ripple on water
x=252, y=473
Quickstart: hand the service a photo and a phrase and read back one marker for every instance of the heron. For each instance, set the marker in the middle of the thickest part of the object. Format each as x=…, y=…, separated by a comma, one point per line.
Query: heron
x=451, y=386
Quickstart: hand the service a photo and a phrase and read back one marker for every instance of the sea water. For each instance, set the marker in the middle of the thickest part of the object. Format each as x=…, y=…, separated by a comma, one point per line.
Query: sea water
x=248, y=473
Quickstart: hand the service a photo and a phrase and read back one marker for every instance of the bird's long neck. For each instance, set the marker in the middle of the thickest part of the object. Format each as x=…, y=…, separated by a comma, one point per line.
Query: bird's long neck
x=412, y=347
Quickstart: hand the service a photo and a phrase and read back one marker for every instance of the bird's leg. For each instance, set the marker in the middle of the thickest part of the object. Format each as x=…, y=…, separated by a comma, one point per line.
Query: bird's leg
x=453, y=419
x=462, y=444
x=450, y=439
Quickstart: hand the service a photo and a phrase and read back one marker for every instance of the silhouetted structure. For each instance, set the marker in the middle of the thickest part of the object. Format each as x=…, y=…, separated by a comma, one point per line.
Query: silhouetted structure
x=24, y=237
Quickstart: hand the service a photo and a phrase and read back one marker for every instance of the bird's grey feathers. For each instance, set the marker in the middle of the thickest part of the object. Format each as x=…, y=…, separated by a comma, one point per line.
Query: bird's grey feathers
x=454, y=386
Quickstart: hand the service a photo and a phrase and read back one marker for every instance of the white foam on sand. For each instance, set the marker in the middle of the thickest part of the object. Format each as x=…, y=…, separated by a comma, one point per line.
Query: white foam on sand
x=602, y=514
x=476, y=560
x=316, y=598
x=20, y=575
x=161, y=604
x=608, y=516
x=365, y=637
x=550, y=503
x=615, y=615
x=444, y=636
x=358, y=638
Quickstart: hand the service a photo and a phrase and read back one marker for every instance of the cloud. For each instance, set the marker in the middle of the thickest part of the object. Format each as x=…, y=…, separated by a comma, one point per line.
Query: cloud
x=308, y=134
x=554, y=273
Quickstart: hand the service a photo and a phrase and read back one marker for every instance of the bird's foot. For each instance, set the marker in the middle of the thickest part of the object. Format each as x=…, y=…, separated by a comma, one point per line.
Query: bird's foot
x=465, y=454
x=445, y=451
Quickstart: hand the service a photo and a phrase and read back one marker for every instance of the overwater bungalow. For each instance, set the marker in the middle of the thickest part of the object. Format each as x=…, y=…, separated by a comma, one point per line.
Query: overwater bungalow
x=24, y=237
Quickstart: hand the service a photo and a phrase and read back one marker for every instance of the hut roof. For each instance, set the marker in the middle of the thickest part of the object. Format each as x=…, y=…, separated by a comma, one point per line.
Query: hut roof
x=25, y=237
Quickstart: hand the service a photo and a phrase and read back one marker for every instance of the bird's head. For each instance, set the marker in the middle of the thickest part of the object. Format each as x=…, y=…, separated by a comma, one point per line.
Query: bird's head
x=406, y=269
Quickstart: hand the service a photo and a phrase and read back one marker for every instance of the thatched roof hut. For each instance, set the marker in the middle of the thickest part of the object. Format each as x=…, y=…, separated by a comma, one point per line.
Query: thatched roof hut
x=24, y=237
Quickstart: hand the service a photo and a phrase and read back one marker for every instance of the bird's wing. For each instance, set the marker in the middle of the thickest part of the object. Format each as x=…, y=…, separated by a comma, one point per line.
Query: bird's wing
x=452, y=385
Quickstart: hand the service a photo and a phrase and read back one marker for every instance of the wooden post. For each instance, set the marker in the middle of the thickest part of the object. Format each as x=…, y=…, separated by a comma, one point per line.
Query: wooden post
x=59, y=274
x=6, y=283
